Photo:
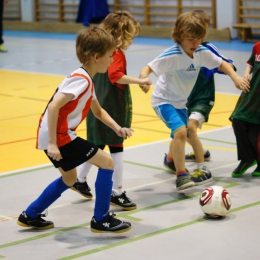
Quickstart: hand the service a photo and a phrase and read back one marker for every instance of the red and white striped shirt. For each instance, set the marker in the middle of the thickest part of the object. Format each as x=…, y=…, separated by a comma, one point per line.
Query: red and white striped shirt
x=80, y=84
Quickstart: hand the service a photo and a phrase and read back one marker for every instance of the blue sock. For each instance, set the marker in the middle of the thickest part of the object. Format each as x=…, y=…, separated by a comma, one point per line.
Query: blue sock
x=48, y=196
x=103, y=187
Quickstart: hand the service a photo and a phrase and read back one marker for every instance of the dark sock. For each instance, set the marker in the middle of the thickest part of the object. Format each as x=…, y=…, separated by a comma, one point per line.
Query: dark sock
x=103, y=187
x=49, y=195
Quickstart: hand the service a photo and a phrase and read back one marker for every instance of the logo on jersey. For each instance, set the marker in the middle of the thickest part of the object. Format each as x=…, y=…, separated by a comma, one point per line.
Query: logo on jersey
x=191, y=68
x=257, y=57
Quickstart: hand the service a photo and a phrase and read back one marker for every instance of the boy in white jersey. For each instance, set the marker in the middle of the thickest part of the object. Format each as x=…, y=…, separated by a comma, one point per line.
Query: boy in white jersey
x=56, y=135
x=177, y=69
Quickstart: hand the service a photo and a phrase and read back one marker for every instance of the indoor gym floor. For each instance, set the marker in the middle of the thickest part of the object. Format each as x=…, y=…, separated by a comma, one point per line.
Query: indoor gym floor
x=167, y=224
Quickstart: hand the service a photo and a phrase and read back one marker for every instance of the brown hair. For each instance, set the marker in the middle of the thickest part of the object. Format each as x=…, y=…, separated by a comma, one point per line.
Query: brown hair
x=189, y=24
x=91, y=41
x=204, y=16
x=123, y=26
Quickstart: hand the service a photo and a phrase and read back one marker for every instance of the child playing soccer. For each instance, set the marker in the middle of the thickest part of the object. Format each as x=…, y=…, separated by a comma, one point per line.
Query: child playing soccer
x=246, y=119
x=178, y=68
x=57, y=137
x=200, y=102
x=113, y=93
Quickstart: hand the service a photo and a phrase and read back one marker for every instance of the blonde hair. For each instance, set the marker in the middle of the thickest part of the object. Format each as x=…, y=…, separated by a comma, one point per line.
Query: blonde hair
x=123, y=26
x=189, y=24
x=91, y=41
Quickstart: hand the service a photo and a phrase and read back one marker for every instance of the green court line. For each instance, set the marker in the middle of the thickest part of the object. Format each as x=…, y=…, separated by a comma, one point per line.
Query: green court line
x=218, y=141
x=25, y=171
x=1, y=256
x=124, y=215
x=159, y=232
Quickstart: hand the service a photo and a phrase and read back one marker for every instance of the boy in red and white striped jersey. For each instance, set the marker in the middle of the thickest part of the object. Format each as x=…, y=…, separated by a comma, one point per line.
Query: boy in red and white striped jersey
x=57, y=136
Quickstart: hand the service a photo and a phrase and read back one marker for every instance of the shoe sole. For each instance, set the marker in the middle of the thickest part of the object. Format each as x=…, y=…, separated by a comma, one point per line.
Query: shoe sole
x=194, y=160
x=86, y=196
x=186, y=186
x=117, y=232
x=236, y=175
x=124, y=208
x=28, y=226
x=203, y=182
x=256, y=174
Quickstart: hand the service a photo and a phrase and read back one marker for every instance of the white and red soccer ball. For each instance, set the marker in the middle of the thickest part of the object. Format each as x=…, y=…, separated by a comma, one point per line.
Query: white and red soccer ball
x=215, y=201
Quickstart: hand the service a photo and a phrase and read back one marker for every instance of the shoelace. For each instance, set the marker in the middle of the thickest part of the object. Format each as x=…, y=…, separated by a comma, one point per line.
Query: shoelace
x=197, y=173
x=112, y=218
x=125, y=197
x=191, y=153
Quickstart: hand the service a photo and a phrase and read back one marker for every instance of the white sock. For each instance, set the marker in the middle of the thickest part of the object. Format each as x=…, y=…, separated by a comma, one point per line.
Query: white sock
x=200, y=165
x=118, y=173
x=82, y=171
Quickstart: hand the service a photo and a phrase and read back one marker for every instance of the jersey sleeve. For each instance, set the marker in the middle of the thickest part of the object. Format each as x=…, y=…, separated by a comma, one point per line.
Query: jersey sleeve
x=251, y=60
x=211, y=60
x=117, y=69
x=215, y=50
x=162, y=64
x=76, y=85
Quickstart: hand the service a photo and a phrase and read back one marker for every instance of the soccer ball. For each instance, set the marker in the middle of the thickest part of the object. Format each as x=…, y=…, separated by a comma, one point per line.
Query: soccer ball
x=215, y=201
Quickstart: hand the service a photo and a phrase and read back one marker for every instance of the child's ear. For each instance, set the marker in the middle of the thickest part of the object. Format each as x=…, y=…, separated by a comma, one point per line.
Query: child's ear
x=96, y=56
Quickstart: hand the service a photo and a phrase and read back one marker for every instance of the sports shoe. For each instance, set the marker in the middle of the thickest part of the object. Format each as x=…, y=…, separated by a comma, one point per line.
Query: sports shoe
x=83, y=189
x=122, y=201
x=38, y=223
x=169, y=165
x=256, y=171
x=190, y=157
x=242, y=168
x=2, y=48
x=109, y=224
x=183, y=181
x=201, y=176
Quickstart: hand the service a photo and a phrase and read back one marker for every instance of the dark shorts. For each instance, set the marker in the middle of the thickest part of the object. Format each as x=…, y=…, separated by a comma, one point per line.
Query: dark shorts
x=74, y=153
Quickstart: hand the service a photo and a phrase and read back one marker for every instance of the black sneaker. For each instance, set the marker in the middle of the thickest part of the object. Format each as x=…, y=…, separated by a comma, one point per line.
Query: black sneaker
x=122, y=201
x=109, y=224
x=38, y=223
x=201, y=176
x=190, y=157
x=169, y=165
x=83, y=189
x=242, y=168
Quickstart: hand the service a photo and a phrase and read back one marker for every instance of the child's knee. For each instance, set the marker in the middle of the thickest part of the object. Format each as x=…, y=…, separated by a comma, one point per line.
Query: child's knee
x=108, y=162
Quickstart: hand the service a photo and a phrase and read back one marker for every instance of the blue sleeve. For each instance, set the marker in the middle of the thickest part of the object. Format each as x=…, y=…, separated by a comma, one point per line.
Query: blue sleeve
x=215, y=50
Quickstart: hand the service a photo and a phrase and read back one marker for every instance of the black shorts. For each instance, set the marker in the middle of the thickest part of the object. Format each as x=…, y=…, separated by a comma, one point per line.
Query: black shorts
x=74, y=154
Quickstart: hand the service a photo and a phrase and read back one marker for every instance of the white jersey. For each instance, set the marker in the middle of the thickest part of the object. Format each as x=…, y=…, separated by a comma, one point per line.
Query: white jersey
x=80, y=84
x=178, y=73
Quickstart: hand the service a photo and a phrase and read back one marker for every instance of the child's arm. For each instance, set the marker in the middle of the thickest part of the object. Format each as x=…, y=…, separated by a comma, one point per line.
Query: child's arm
x=102, y=115
x=145, y=72
x=240, y=83
x=53, y=112
x=131, y=80
x=247, y=72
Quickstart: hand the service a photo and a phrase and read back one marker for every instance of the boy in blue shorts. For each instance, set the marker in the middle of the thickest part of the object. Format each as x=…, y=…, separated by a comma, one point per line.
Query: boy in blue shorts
x=178, y=68
x=200, y=102
x=56, y=135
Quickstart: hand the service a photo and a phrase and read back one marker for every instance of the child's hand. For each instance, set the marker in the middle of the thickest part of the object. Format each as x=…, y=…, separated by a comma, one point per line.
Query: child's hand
x=125, y=132
x=145, y=84
x=54, y=152
x=247, y=76
x=242, y=84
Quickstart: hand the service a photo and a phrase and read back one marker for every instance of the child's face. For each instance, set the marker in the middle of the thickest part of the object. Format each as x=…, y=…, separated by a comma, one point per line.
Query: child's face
x=190, y=45
x=104, y=61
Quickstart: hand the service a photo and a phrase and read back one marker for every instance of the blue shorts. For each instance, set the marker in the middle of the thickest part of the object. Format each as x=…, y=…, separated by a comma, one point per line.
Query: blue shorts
x=172, y=117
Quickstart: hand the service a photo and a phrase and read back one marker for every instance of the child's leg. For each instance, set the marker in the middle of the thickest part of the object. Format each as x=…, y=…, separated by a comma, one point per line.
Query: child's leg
x=52, y=192
x=194, y=140
x=81, y=186
x=119, y=197
x=244, y=148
